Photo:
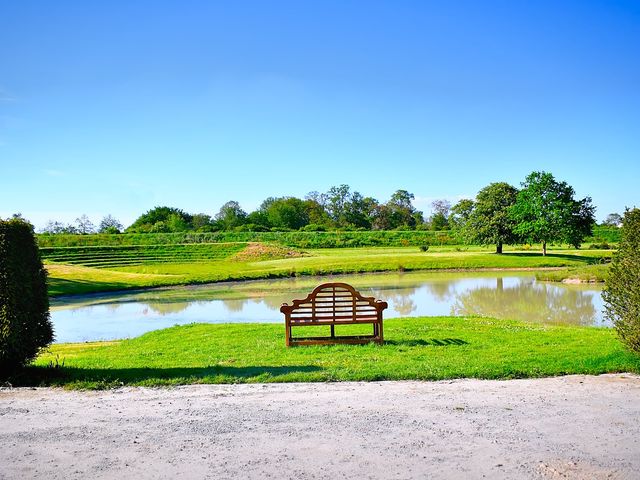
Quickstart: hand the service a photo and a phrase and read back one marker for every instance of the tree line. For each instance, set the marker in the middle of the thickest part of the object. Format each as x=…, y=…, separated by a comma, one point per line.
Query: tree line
x=543, y=210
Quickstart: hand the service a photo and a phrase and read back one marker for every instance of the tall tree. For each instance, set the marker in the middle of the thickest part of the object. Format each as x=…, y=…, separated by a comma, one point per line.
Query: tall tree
x=546, y=211
x=359, y=210
x=337, y=199
x=231, y=215
x=400, y=210
x=84, y=225
x=459, y=219
x=109, y=224
x=159, y=219
x=490, y=222
x=440, y=217
x=286, y=212
x=613, y=220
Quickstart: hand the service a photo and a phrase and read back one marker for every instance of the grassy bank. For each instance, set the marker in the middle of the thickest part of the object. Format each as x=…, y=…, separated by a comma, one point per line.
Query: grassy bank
x=425, y=348
x=584, y=274
x=67, y=278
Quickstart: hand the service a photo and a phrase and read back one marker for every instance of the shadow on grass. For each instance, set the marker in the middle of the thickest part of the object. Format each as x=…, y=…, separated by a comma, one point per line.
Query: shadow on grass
x=111, y=377
x=563, y=256
x=434, y=342
x=62, y=286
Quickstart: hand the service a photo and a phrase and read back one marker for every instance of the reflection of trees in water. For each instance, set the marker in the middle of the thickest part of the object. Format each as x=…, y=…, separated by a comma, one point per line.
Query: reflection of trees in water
x=441, y=291
x=112, y=307
x=166, y=308
x=235, y=305
x=400, y=299
x=527, y=301
x=274, y=302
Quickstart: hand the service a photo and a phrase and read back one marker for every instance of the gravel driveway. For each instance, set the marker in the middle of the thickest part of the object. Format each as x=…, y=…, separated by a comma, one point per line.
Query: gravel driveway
x=564, y=427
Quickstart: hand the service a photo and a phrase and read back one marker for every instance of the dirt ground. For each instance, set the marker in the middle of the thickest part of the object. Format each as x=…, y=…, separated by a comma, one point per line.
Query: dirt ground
x=568, y=427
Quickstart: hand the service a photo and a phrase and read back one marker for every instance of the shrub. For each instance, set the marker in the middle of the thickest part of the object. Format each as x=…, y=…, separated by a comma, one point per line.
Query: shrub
x=314, y=227
x=424, y=248
x=622, y=288
x=25, y=327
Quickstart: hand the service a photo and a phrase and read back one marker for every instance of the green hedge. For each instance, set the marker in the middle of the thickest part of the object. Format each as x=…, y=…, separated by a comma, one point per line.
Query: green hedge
x=290, y=239
x=622, y=290
x=25, y=327
x=604, y=234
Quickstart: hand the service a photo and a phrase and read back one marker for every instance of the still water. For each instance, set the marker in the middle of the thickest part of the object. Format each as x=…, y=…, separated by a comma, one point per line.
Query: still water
x=508, y=295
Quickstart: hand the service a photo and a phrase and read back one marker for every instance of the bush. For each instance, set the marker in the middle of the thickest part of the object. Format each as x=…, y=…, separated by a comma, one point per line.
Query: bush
x=25, y=327
x=314, y=227
x=424, y=248
x=622, y=289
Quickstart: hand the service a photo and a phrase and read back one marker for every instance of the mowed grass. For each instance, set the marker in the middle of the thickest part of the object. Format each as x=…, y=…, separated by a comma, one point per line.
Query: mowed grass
x=66, y=279
x=423, y=348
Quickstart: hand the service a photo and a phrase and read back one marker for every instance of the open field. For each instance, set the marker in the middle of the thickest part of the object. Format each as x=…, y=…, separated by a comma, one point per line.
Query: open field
x=67, y=278
x=423, y=348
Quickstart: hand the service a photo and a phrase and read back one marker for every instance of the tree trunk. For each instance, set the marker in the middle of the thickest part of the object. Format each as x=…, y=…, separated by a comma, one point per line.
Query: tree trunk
x=499, y=247
x=544, y=249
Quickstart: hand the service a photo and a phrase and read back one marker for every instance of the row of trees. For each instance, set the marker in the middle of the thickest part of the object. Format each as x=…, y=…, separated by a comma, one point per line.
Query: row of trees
x=339, y=208
x=544, y=210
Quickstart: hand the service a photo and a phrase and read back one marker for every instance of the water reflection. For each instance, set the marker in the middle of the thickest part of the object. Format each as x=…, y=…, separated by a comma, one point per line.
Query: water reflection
x=536, y=302
x=501, y=295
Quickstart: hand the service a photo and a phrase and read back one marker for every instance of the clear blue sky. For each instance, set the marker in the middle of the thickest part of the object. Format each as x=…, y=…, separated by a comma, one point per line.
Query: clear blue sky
x=116, y=107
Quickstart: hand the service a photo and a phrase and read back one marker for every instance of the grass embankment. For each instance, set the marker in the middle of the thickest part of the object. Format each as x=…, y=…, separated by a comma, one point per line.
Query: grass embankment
x=421, y=348
x=231, y=263
x=585, y=274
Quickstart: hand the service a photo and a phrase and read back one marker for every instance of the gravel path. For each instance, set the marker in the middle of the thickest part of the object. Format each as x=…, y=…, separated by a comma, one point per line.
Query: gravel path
x=565, y=427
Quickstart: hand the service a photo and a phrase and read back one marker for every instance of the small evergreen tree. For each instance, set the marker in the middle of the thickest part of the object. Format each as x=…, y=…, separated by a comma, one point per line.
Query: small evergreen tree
x=25, y=327
x=622, y=291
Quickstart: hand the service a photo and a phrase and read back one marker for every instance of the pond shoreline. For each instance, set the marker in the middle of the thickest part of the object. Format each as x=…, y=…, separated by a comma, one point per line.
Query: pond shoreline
x=195, y=284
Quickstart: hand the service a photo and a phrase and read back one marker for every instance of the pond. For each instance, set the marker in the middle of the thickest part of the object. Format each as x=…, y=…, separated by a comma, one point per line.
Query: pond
x=507, y=295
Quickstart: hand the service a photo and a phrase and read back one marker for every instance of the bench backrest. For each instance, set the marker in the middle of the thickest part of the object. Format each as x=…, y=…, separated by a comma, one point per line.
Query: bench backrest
x=334, y=302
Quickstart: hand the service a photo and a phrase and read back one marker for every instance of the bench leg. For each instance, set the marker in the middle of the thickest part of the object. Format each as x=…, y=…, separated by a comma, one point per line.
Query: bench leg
x=287, y=335
x=333, y=331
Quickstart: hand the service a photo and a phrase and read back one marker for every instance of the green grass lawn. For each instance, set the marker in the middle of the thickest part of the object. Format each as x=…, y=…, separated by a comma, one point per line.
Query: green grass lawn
x=65, y=279
x=424, y=348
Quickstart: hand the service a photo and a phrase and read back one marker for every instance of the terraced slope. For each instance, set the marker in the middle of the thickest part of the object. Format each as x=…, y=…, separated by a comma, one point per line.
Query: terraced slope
x=133, y=255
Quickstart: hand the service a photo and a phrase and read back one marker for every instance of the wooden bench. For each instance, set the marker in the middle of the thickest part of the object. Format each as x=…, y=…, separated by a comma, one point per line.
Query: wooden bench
x=332, y=304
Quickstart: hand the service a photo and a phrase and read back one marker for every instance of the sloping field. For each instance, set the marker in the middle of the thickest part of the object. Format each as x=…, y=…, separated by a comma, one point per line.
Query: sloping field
x=112, y=256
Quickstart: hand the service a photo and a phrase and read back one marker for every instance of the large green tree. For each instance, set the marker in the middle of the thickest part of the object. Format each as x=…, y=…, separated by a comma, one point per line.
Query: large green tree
x=402, y=213
x=231, y=215
x=440, y=217
x=459, y=219
x=489, y=222
x=161, y=219
x=622, y=289
x=546, y=211
x=285, y=212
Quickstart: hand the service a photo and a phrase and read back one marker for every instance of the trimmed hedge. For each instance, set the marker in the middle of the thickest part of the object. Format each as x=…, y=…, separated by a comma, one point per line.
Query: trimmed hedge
x=622, y=289
x=25, y=327
x=297, y=239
